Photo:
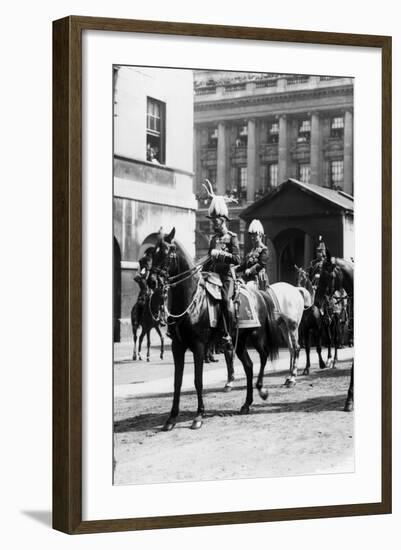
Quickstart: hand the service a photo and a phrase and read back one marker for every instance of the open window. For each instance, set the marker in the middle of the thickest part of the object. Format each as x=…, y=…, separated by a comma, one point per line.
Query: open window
x=304, y=131
x=156, y=131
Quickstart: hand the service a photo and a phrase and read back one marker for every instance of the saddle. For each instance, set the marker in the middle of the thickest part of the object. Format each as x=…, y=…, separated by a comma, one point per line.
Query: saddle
x=212, y=284
x=244, y=303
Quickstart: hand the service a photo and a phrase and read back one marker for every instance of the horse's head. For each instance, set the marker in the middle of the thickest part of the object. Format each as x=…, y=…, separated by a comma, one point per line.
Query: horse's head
x=302, y=276
x=164, y=254
x=328, y=279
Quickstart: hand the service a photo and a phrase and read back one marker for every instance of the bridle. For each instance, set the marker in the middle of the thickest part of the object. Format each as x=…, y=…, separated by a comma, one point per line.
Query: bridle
x=167, y=282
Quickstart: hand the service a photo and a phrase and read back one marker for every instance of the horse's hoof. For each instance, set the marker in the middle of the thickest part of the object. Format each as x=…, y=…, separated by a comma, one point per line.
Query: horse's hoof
x=161, y=356
x=196, y=424
x=289, y=383
x=244, y=409
x=168, y=426
x=147, y=359
x=263, y=393
x=322, y=366
x=349, y=406
x=227, y=388
x=305, y=372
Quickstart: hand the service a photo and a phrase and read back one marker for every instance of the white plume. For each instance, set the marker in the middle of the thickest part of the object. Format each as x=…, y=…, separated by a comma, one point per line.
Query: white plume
x=256, y=227
x=218, y=207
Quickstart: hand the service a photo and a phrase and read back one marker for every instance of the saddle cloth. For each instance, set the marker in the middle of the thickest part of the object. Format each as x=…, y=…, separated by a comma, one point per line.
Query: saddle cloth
x=245, y=308
x=270, y=292
x=244, y=303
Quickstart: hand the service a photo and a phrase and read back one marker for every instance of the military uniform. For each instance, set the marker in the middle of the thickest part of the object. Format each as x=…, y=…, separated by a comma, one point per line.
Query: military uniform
x=315, y=268
x=255, y=263
x=317, y=264
x=229, y=256
x=142, y=278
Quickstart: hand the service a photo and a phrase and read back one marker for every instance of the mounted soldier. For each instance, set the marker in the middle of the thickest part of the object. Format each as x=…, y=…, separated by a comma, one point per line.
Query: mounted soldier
x=147, y=283
x=142, y=278
x=316, y=264
x=255, y=263
x=223, y=255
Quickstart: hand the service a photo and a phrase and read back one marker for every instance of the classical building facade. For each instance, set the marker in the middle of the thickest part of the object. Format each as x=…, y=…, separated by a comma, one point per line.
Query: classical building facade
x=253, y=131
x=153, y=172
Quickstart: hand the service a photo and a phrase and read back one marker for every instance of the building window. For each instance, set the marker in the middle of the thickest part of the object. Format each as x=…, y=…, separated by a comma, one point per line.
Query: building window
x=156, y=131
x=242, y=136
x=337, y=127
x=304, y=172
x=242, y=182
x=304, y=131
x=212, y=137
x=272, y=175
x=212, y=175
x=273, y=133
x=337, y=174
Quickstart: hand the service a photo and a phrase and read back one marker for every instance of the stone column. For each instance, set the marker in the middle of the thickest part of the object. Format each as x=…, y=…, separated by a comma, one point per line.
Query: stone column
x=348, y=156
x=251, y=161
x=282, y=150
x=197, y=162
x=314, y=150
x=221, y=159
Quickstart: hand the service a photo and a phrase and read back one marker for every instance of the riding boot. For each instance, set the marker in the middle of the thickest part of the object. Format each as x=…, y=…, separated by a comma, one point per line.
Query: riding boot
x=226, y=339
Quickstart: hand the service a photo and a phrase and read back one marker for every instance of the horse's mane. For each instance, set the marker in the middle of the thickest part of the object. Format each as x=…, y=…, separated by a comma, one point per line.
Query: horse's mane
x=184, y=260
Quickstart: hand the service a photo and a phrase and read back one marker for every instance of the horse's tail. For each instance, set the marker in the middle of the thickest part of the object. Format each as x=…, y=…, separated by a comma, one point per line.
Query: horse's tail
x=306, y=296
x=273, y=334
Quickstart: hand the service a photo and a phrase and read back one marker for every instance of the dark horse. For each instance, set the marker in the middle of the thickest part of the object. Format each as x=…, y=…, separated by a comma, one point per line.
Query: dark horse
x=337, y=274
x=312, y=322
x=147, y=317
x=187, y=304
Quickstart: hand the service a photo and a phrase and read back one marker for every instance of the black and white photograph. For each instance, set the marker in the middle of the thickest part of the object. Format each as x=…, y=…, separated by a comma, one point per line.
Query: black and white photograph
x=233, y=273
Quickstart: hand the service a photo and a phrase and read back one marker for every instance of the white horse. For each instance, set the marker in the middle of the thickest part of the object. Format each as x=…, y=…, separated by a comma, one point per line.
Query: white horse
x=291, y=301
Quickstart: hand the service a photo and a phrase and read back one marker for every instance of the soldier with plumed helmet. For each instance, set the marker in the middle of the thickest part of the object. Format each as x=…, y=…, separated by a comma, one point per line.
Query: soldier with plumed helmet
x=254, y=266
x=223, y=254
x=316, y=264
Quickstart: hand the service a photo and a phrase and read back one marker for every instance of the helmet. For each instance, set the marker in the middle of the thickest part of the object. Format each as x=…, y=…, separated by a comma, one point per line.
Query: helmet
x=218, y=206
x=256, y=227
x=321, y=247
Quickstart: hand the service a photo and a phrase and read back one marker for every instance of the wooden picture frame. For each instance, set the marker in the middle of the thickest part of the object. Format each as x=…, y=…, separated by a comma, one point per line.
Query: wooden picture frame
x=67, y=273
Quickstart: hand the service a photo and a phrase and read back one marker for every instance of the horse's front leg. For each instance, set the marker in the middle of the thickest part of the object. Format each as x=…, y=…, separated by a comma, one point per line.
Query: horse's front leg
x=229, y=357
x=179, y=358
x=134, y=335
x=322, y=364
x=159, y=332
x=349, y=404
x=263, y=391
x=329, y=344
x=148, y=345
x=307, y=352
x=336, y=323
x=246, y=361
x=141, y=337
x=199, y=356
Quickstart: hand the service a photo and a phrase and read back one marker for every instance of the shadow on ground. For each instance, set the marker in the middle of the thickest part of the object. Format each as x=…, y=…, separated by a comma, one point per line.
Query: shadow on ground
x=155, y=421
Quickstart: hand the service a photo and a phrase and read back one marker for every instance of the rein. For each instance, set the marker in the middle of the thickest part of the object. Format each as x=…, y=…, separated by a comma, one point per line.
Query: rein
x=195, y=297
x=155, y=319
